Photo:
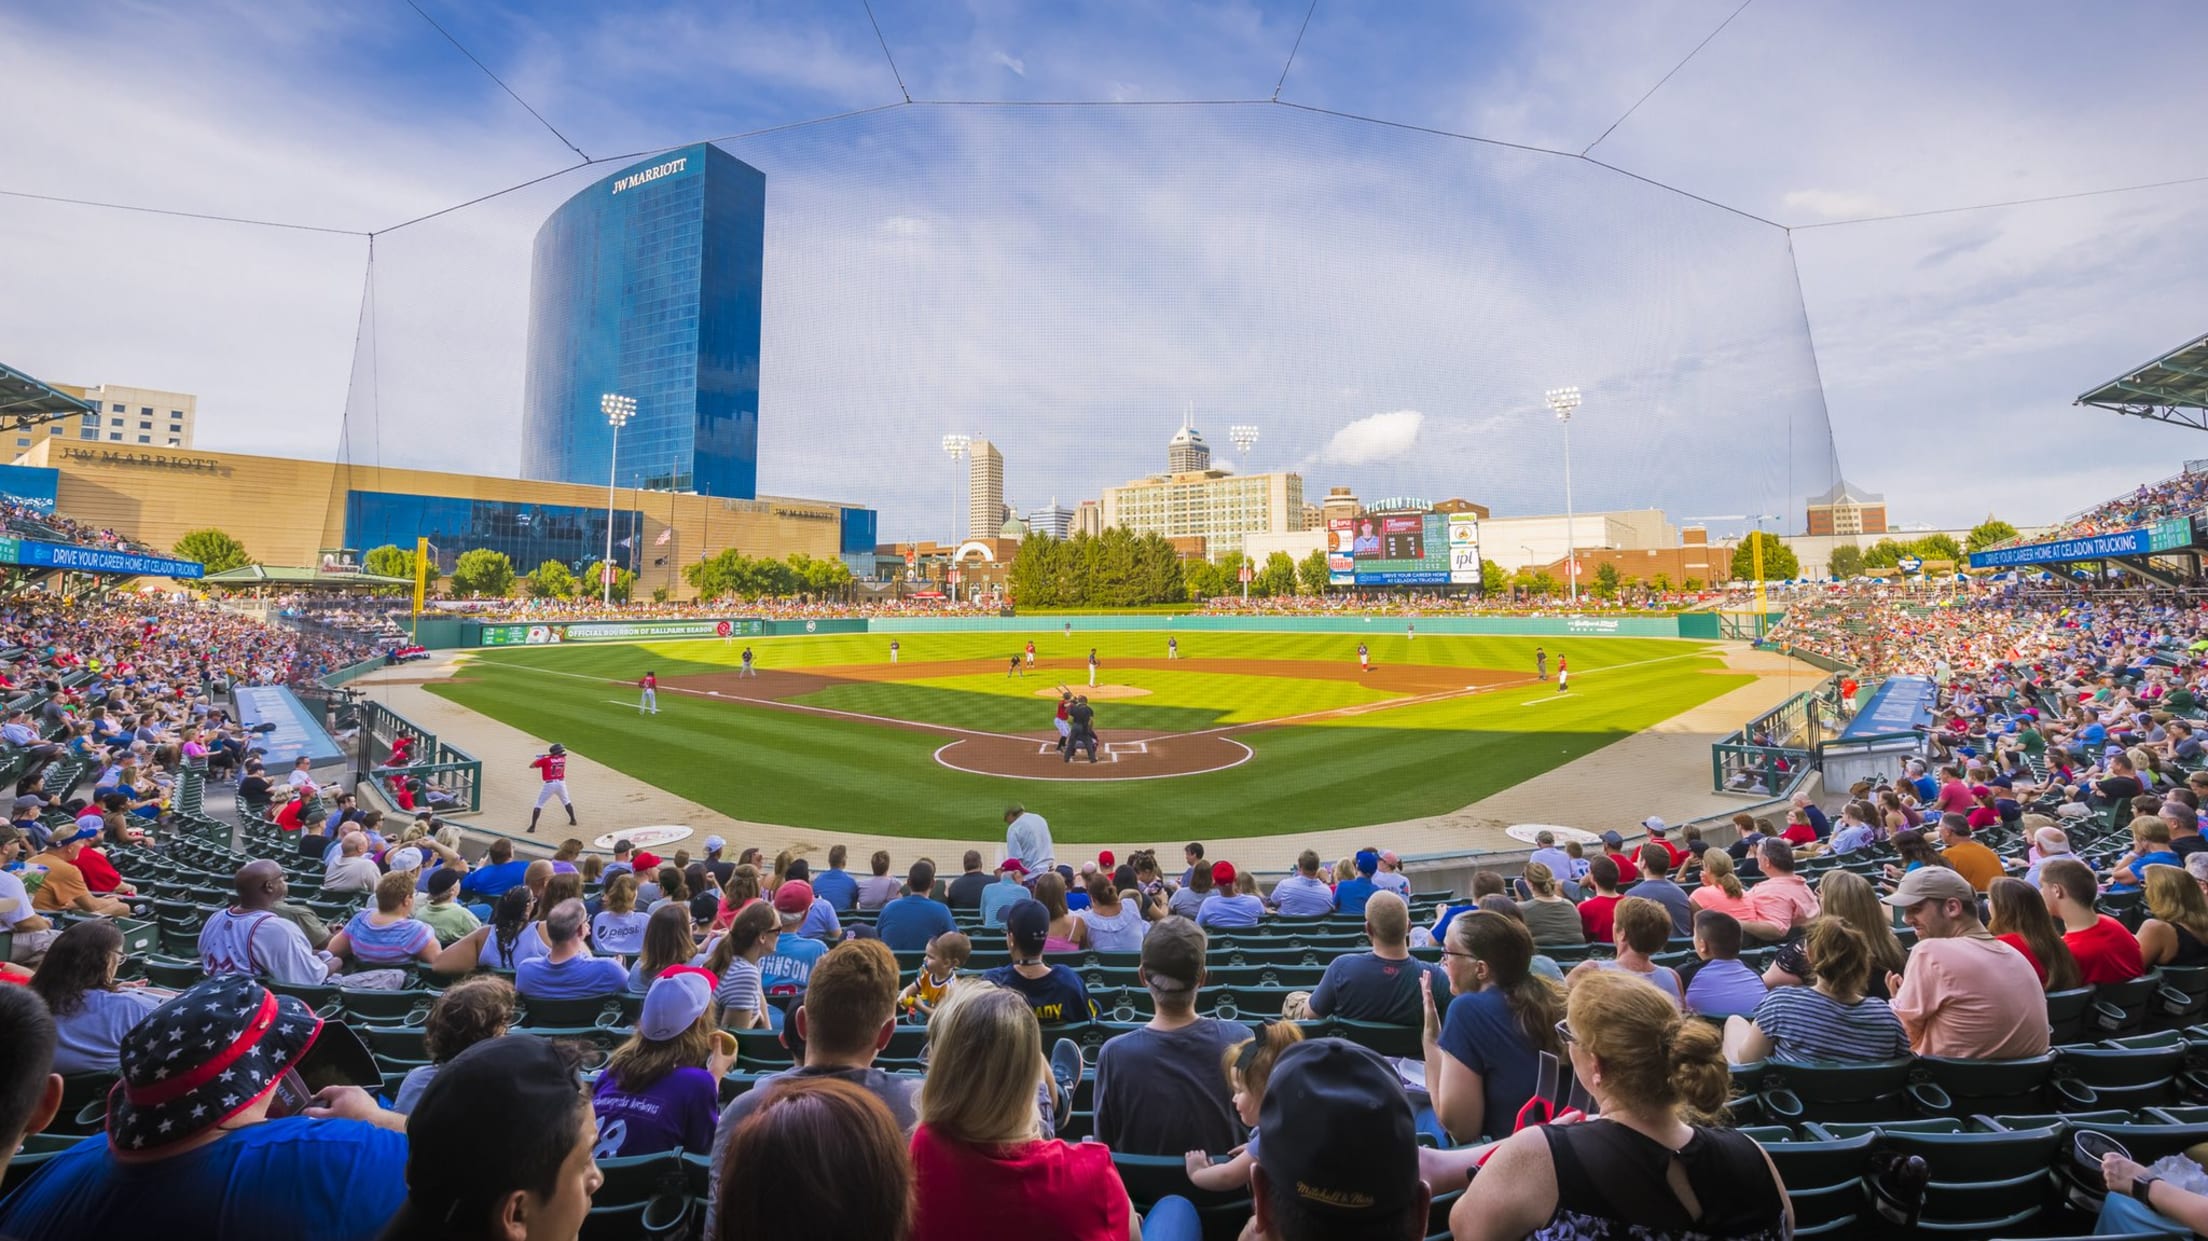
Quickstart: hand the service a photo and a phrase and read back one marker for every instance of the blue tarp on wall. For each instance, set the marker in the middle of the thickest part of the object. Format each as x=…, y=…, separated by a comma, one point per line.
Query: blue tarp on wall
x=1898, y=706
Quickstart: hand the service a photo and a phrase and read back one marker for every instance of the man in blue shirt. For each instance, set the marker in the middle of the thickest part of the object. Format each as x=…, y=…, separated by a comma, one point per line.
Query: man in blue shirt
x=502, y=870
x=835, y=885
x=788, y=966
x=1009, y=890
x=1719, y=985
x=909, y=922
x=1304, y=894
x=1054, y=993
x=1351, y=894
x=567, y=971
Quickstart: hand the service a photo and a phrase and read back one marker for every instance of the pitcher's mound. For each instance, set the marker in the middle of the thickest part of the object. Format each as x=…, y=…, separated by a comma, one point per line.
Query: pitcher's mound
x=1101, y=691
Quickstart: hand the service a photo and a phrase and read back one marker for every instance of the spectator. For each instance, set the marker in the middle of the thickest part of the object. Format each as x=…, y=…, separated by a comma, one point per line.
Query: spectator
x=1973, y=861
x=668, y=940
x=1390, y=877
x=567, y=971
x=881, y=887
x=788, y=966
x=981, y=1170
x=2021, y=921
x=1830, y=1020
x=816, y=1157
x=501, y=945
x=1350, y=895
x=1915, y=851
x=2184, y=821
x=468, y=1012
x=1055, y=993
x=661, y=1088
x=65, y=888
x=2106, y=952
x=502, y=871
x=1812, y=814
x=1004, y=893
x=1850, y=898
x=1642, y=930
x=1158, y=1089
x=821, y=922
x=354, y=871
x=1245, y=1066
x=714, y=864
x=1552, y=919
x=1720, y=986
x=1481, y=1066
x=1027, y=837
x=1341, y=1158
x=242, y=1168
x=1855, y=833
x=92, y=1012
x=734, y=961
x=1050, y=890
x=30, y=1091
x=1613, y=847
x=835, y=885
x=1597, y=1179
x=1188, y=900
x=1782, y=904
x=947, y=954
x=32, y=933
x=1656, y=885
x=624, y=858
x=1720, y=890
x=248, y=938
x=966, y=890
x=1304, y=894
x=1109, y=924
x=2177, y=934
x=1965, y=994
x=444, y=914
x=1227, y=908
x=1383, y=984
x=619, y=926
x=909, y=922
x=389, y=936
x=1597, y=912
x=2150, y=846
x=847, y=1017
x=501, y=1145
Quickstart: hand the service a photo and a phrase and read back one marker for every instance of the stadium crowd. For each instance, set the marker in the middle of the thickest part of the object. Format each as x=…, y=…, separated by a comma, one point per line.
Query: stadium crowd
x=31, y=521
x=2181, y=496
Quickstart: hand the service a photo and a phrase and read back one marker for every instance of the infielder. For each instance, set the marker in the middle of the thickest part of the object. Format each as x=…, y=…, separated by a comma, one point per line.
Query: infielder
x=1563, y=674
x=1092, y=667
x=1031, y=652
x=1014, y=669
x=893, y=650
x=1364, y=658
x=747, y=670
x=552, y=766
x=1172, y=648
x=648, y=704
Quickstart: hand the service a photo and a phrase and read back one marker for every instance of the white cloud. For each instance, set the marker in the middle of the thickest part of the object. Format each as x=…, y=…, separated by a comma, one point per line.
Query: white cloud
x=907, y=226
x=1829, y=205
x=1373, y=438
x=1010, y=62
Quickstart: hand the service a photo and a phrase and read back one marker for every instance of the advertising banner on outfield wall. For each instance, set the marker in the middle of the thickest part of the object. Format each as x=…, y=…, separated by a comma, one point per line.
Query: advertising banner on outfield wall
x=549, y=633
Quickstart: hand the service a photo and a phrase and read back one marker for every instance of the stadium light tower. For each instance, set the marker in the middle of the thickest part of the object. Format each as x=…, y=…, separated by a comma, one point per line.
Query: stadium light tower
x=618, y=410
x=1562, y=401
x=1244, y=436
x=955, y=444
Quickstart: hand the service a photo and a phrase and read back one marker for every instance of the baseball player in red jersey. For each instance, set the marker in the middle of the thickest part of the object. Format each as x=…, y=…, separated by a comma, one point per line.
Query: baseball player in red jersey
x=552, y=767
x=1031, y=653
x=649, y=703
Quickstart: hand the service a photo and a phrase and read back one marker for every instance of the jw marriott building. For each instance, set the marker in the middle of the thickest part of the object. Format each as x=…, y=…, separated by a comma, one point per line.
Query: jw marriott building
x=647, y=284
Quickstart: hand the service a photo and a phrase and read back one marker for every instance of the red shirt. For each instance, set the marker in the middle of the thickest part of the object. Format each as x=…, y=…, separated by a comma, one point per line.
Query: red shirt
x=1595, y=916
x=1799, y=833
x=100, y=875
x=2106, y=952
x=288, y=817
x=1042, y=1189
x=1628, y=870
x=551, y=766
x=2016, y=941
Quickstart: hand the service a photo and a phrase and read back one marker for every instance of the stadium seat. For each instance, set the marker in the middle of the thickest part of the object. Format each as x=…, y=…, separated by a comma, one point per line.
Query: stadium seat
x=2120, y=1008
x=1982, y=1179
x=1795, y=1091
x=578, y=1012
x=1823, y=1179
x=2130, y=1073
x=1384, y=1037
x=2066, y=1015
x=1952, y=1087
x=1151, y=1177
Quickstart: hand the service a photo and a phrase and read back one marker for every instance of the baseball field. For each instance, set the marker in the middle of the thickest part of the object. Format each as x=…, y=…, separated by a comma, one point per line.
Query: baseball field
x=1245, y=733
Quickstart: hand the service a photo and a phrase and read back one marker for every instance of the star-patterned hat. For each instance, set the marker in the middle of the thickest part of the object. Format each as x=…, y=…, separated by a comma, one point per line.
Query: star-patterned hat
x=202, y=1058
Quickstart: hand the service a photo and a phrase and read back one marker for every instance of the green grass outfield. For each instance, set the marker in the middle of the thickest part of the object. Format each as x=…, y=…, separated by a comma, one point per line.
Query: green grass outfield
x=768, y=765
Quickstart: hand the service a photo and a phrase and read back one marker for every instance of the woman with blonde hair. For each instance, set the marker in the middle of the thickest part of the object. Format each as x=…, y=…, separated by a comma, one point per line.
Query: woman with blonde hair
x=2150, y=846
x=2177, y=934
x=1659, y=1082
x=979, y=1144
x=1552, y=919
x=1720, y=889
x=1845, y=895
x=619, y=926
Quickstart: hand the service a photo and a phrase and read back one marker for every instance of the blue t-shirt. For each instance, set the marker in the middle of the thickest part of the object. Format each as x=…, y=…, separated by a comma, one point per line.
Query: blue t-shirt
x=1057, y=998
x=909, y=922
x=998, y=897
x=1229, y=911
x=838, y=888
x=788, y=966
x=1350, y=895
x=282, y=1180
x=1725, y=989
x=1484, y=1037
x=493, y=880
x=577, y=978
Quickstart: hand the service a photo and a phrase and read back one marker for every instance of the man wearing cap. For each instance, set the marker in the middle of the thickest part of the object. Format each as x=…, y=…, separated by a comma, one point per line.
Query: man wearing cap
x=32, y=933
x=1226, y=907
x=721, y=870
x=65, y=888
x=624, y=857
x=1390, y=877
x=1159, y=1090
x=198, y=1132
x=354, y=871
x=1659, y=833
x=1340, y=1152
x=1613, y=847
x=567, y=970
x=910, y=922
x=1054, y=993
x=966, y=890
x=444, y=914
x=1963, y=993
x=1351, y=894
x=788, y=966
x=1009, y=889
x=551, y=768
x=1027, y=838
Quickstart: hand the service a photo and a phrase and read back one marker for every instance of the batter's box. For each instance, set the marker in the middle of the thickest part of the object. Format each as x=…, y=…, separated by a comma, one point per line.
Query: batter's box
x=1108, y=752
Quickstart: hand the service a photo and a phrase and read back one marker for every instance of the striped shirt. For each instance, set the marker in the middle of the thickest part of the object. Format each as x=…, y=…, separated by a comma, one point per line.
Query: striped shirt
x=1804, y=1023
x=740, y=988
x=393, y=944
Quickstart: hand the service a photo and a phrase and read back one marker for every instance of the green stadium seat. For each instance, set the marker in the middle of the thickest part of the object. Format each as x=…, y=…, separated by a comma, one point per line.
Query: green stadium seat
x=1954, y=1087
x=579, y=1012
x=1795, y=1091
x=1982, y=1180
x=1823, y=1179
x=2066, y=1015
x=2130, y=1073
x=1151, y=1177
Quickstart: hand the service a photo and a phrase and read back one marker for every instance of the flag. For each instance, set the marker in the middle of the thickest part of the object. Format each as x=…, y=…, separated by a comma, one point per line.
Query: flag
x=664, y=535
x=624, y=544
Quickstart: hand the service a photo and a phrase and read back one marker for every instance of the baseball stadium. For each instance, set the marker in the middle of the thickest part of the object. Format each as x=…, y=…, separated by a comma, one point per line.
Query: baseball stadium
x=903, y=621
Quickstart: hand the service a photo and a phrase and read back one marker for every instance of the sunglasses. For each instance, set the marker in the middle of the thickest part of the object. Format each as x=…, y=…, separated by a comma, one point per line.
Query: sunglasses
x=1564, y=1033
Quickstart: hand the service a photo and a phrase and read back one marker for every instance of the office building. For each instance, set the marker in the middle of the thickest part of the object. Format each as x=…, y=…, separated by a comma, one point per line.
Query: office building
x=1187, y=453
x=985, y=510
x=1053, y=520
x=647, y=284
x=1088, y=518
x=1844, y=510
x=1213, y=505
x=128, y=417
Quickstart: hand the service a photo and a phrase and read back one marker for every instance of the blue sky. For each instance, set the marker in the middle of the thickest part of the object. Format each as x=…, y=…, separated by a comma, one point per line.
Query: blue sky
x=1386, y=301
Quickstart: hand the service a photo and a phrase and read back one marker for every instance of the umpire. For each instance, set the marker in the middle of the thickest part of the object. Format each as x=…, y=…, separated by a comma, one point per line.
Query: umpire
x=1081, y=719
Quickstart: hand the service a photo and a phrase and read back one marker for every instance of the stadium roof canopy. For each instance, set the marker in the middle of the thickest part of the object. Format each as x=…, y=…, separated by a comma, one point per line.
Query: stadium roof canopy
x=2172, y=388
x=26, y=402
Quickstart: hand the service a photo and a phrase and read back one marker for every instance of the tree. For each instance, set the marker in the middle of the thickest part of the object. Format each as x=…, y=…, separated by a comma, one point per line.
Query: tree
x=1691, y=584
x=1989, y=532
x=1277, y=577
x=1883, y=554
x=1538, y=582
x=392, y=561
x=590, y=585
x=213, y=548
x=1847, y=561
x=1606, y=580
x=1230, y=568
x=1201, y=580
x=482, y=574
x=551, y=580
x=1494, y=579
x=1661, y=583
x=1312, y=572
x=819, y=577
x=1937, y=547
x=1779, y=562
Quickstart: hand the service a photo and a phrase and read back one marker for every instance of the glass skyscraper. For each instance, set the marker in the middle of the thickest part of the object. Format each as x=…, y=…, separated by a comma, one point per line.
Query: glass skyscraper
x=648, y=284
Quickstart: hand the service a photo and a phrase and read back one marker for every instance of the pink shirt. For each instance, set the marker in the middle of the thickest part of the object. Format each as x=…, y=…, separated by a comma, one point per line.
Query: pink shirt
x=1972, y=996
x=1714, y=898
x=1784, y=900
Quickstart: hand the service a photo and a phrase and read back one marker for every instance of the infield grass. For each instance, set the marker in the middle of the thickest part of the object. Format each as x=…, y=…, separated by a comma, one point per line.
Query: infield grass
x=764, y=764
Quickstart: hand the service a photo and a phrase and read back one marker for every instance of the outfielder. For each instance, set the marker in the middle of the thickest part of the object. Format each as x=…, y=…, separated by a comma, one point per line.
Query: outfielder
x=1031, y=652
x=1172, y=648
x=552, y=766
x=748, y=670
x=648, y=704
x=1092, y=667
x=893, y=650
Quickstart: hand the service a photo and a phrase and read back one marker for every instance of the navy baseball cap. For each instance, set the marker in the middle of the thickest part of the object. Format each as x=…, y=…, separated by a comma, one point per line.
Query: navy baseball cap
x=1028, y=923
x=1338, y=1132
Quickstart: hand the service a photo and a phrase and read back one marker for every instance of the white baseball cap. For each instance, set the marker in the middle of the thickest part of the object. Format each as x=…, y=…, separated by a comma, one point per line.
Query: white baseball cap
x=409, y=858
